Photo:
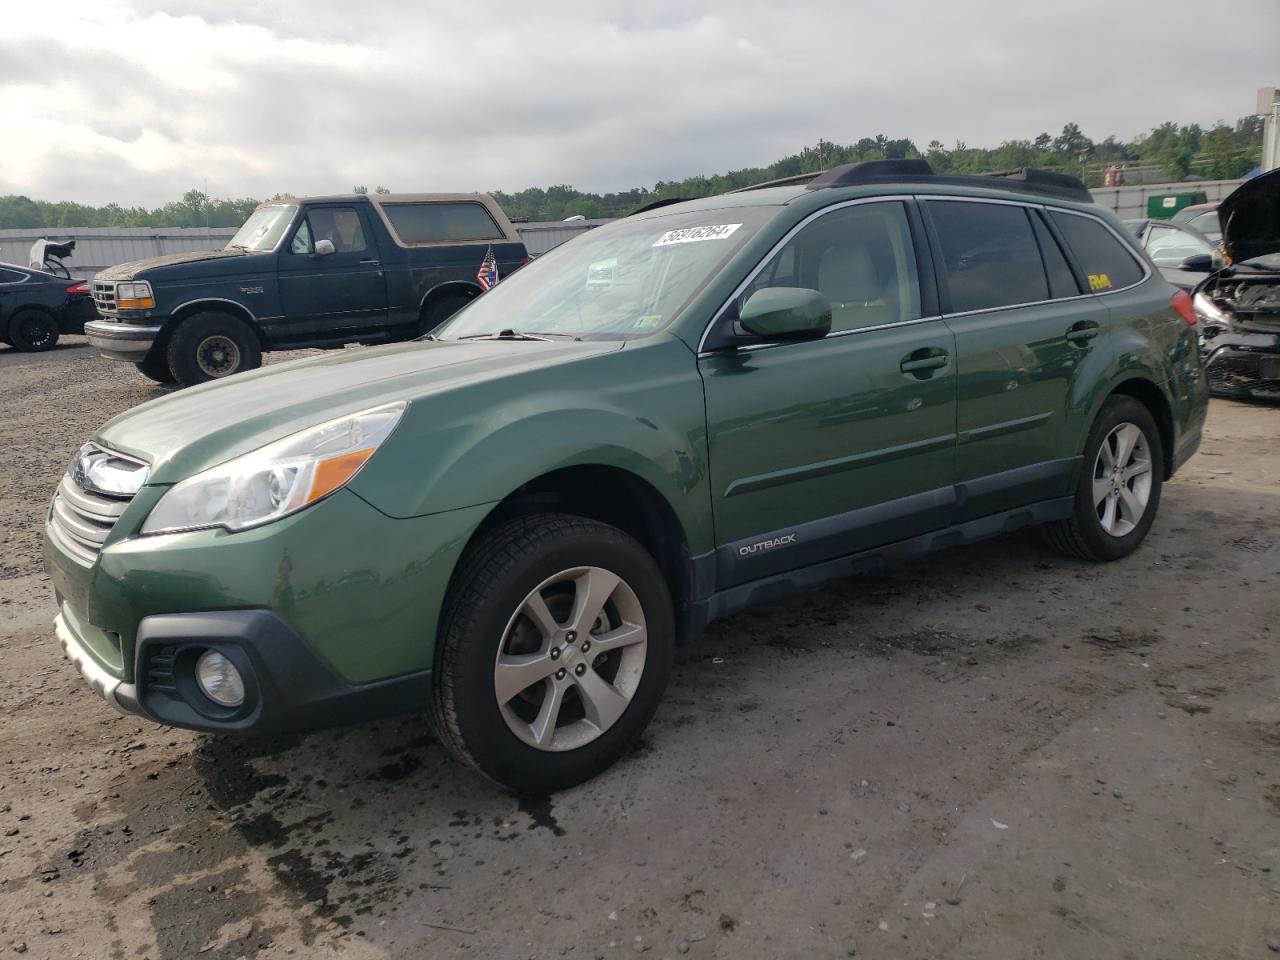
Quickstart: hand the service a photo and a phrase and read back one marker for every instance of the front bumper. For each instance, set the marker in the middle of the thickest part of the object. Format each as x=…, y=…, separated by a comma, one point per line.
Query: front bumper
x=1244, y=371
x=118, y=340
x=288, y=689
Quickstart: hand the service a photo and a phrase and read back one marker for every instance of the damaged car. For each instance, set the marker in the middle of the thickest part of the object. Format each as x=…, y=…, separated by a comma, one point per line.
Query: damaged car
x=1238, y=306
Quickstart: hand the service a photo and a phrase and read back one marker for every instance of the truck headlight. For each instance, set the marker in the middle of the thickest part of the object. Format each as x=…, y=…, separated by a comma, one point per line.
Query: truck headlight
x=134, y=296
x=278, y=479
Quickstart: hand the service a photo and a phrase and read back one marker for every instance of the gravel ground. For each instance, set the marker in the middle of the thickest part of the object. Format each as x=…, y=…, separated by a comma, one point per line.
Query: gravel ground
x=995, y=753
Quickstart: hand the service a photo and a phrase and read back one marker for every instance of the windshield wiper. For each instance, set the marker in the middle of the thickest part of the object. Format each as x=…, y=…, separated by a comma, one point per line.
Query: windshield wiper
x=237, y=246
x=510, y=334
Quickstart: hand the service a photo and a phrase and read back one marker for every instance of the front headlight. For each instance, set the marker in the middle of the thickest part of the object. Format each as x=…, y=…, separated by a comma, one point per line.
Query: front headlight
x=134, y=296
x=1208, y=311
x=278, y=479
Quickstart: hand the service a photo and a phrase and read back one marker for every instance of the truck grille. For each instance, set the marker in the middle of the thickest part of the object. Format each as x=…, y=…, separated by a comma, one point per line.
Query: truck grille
x=82, y=515
x=104, y=297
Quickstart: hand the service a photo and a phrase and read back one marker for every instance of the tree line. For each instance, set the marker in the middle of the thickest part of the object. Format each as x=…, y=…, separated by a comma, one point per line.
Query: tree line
x=1171, y=151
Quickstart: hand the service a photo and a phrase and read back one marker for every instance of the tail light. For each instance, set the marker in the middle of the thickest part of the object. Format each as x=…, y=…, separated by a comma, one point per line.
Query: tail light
x=524, y=262
x=1181, y=302
x=79, y=288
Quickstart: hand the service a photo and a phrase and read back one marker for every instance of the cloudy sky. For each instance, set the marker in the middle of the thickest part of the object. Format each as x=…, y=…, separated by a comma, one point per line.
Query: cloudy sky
x=138, y=101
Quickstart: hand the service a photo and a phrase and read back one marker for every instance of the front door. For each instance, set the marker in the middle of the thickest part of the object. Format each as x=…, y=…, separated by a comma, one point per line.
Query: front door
x=826, y=447
x=326, y=293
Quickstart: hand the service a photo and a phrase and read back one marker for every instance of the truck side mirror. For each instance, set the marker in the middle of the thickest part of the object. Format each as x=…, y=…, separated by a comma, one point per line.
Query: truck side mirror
x=324, y=248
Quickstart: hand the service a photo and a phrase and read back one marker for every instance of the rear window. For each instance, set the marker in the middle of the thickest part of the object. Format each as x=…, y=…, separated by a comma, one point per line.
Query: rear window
x=990, y=255
x=1062, y=282
x=441, y=222
x=1107, y=261
x=12, y=276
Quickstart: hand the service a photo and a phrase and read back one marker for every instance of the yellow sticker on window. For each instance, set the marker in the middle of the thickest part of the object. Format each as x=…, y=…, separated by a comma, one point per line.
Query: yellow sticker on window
x=648, y=320
x=1099, y=281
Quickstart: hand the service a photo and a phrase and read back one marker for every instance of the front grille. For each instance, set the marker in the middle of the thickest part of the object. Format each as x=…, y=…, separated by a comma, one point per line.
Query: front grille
x=82, y=516
x=104, y=297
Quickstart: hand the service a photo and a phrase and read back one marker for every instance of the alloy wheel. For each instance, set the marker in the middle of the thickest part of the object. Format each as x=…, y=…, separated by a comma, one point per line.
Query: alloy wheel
x=1122, y=479
x=571, y=659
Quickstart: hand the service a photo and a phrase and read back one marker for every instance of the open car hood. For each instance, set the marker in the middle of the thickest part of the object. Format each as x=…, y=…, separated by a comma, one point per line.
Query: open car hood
x=1250, y=218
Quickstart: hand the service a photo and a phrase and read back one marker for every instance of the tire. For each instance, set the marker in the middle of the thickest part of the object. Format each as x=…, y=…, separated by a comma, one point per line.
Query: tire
x=211, y=346
x=485, y=625
x=32, y=331
x=1111, y=527
x=155, y=366
x=440, y=311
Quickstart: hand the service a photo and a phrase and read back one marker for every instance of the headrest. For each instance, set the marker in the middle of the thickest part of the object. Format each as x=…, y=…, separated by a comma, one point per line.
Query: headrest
x=847, y=274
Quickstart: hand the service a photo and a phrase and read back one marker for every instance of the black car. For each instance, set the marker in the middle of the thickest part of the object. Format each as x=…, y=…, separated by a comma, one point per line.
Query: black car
x=1183, y=255
x=1238, y=307
x=37, y=307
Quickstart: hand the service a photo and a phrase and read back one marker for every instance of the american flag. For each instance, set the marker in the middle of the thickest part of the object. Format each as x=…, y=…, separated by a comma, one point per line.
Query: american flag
x=488, y=275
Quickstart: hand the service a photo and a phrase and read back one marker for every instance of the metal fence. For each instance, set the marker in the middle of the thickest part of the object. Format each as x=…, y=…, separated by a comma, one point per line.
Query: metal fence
x=1130, y=203
x=100, y=247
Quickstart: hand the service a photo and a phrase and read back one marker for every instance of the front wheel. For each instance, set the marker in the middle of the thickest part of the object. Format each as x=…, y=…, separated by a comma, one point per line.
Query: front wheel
x=1119, y=489
x=210, y=346
x=553, y=653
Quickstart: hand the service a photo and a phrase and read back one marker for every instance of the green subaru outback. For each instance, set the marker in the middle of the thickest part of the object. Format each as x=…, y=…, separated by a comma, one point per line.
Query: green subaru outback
x=511, y=523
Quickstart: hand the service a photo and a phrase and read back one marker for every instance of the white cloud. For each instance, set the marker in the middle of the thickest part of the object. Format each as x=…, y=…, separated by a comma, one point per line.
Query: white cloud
x=137, y=102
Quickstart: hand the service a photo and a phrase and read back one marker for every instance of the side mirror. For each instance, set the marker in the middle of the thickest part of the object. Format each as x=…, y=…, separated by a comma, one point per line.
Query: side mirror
x=1199, y=263
x=324, y=248
x=786, y=313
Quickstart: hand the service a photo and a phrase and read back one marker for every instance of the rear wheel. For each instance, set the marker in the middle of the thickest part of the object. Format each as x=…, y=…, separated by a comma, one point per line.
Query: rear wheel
x=1119, y=488
x=441, y=310
x=210, y=346
x=554, y=651
x=33, y=331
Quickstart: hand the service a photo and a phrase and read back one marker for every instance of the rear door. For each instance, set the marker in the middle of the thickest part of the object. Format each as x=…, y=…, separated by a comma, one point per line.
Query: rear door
x=826, y=447
x=1025, y=330
x=332, y=293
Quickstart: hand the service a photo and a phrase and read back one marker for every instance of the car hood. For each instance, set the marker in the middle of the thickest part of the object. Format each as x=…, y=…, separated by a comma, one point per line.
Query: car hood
x=135, y=268
x=191, y=430
x=1250, y=218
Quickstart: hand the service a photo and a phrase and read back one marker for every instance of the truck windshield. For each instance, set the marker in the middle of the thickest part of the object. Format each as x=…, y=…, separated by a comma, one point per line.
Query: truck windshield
x=618, y=282
x=264, y=228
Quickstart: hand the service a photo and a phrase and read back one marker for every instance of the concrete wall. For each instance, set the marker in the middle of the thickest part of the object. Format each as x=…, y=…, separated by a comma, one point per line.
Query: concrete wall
x=100, y=247
x=1130, y=203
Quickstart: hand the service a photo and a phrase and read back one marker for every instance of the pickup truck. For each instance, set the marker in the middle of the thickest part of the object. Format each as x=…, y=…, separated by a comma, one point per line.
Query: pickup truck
x=309, y=272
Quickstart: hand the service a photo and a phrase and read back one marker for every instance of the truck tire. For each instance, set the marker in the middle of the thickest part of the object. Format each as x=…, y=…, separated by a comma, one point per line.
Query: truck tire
x=155, y=366
x=438, y=311
x=32, y=331
x=553, y=652
x=210, y=346
x=1119, y=488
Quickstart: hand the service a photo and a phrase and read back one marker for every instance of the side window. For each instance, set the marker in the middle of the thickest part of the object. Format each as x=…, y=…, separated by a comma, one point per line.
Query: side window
x=12, y=276
x=441, y=222
x=339, y=225
x=989, y=253
x=1168, y=247
x=1108, y=263
x=1062, y=281
x=1207, y=222
x=302, y=239
x=860, y=258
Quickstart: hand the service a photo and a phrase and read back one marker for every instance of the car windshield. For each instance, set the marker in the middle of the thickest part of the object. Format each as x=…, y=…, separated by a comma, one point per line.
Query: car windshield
x=618, y=282
x=263, y=229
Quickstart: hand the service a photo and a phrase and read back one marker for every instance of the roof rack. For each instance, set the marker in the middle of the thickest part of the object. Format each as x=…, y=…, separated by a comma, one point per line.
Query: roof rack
x=780, y=182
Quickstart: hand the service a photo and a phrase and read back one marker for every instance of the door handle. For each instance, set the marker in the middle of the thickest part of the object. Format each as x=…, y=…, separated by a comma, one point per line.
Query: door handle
x=914, y=363
x=1082, y=332
x=369, y=263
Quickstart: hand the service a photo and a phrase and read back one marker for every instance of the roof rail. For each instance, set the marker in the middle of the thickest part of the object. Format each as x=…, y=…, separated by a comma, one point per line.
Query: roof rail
x=1045, y=181
x=780, y=182
x=868, y=171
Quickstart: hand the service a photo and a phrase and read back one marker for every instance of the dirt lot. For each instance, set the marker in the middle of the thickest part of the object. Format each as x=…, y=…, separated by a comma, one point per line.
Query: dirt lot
x=997, y=753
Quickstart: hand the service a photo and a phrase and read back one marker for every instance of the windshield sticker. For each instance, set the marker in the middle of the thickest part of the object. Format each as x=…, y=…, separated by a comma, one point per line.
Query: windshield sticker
x=600, y=273
x=648, y=320
x=696, y=234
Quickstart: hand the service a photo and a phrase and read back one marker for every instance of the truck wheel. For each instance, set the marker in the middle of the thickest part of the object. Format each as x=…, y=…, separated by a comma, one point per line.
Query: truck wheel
x=1119, y=489
x=210, y=346
x=553, y=652
x=33, y=331
x=441, y=310
x=155, y=366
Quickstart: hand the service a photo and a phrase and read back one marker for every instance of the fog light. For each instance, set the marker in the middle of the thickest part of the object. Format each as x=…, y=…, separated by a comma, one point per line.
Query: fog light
x=219, y=680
